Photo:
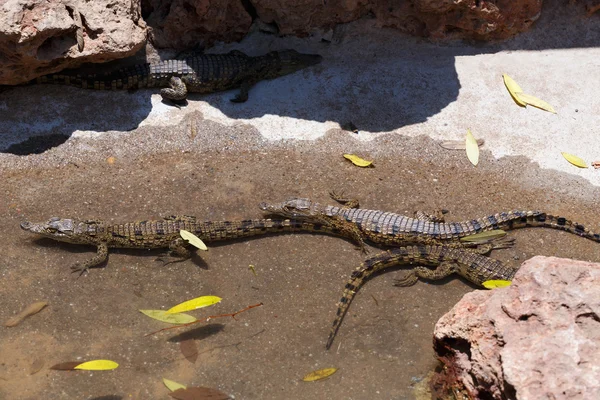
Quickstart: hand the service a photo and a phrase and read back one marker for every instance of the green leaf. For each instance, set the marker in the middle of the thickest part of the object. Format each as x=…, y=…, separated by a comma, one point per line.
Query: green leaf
x=198, y=302
x=484, y=236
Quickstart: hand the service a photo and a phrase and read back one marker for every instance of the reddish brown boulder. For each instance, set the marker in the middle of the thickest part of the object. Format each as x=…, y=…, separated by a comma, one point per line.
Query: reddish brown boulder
x=536, y=339
x=40, y=36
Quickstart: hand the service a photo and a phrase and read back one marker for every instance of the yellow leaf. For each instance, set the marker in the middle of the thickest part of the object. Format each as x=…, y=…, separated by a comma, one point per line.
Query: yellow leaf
x=193, y=239
x=198, y=302
x=458, y=144
x=319, y=374
x=356, y=160
x=534, y=101
x=472, y=148
x=514, y=89
x=493, y=284
x=576, y=161
x=484, y=236
x=163, y=316
x=172, y=385
x=97, y=365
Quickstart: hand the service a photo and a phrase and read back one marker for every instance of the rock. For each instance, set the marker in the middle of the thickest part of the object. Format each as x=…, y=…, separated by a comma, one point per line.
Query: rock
x=536, y=339
x=38, y=37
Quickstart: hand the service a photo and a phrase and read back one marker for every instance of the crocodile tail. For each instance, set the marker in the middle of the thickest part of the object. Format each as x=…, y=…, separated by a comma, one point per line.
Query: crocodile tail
x=133, y=77
x=563, y=224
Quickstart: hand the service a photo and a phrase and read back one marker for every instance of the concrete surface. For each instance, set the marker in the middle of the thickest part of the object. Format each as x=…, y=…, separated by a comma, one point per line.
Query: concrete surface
x=218, y=160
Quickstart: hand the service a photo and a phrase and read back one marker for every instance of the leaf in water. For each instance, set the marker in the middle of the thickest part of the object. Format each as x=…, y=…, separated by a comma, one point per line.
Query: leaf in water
x=193, y=239
x=484, y=236
x=97, y=365
x=199, y=393
x=163, y=316
x=493, y=284
x=28, y=311
x=66, y=366
x=189, y=350
x=472, y=148
x=172, y=385
x=458, y=144
x=319, y=374
x=576, y=161
x=534, y=101
x=198, y=302
x=356, y=160
x=514, y=89
x=36, y=366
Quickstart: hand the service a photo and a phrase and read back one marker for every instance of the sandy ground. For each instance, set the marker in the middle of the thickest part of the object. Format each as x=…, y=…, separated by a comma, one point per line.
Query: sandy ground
x=123, y=156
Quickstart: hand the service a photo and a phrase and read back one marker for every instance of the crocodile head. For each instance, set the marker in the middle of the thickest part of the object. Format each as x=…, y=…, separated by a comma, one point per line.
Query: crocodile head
x=61, y=229
x=291, y=61
x=296, y=208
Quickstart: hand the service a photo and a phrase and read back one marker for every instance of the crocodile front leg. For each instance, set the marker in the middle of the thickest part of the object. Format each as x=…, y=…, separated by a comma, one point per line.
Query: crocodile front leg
x=178, y=250
x=177, y=92
x=99, y=258
x=242, y=96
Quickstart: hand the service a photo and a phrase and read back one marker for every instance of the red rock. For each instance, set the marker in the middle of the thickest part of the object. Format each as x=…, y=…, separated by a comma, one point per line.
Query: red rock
x=536, y=339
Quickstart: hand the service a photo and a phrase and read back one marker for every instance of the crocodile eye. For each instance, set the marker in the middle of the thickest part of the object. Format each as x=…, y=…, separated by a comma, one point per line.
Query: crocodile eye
x=54, y=219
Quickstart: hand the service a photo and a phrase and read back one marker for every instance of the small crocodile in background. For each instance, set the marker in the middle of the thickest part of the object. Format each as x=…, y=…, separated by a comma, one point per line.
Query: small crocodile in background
x=203, y=73
x=161, y=233
x=446, y=260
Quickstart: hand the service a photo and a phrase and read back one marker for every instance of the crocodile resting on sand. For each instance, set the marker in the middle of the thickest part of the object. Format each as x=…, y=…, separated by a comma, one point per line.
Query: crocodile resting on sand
x=445, y=260
x=203, y=73
x=163, y=233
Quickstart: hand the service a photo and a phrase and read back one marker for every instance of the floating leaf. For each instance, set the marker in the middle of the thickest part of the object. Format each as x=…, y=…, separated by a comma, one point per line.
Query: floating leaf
x=356, y=160
x=319, y=374
x=514, y=89
x=189, y=350
x=172, y=385
x=534, y=101
x=458, y=144
x=29, y=310
x=164, y=316
x=193, y=239
x=484, y=236
x=97, y=365
x=576, y=161
x=252, y=268
x=472, y=148
x=494, y=284
x=66, y=366
x=36, y=366
x=199, y=393
x=198, y=302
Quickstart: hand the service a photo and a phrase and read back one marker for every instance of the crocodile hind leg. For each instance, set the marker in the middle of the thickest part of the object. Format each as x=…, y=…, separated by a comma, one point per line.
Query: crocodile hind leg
x=178, y=252
x=437, y=216
x=177, y=92
x=99, y=258
x=347, y=202
x=445, y=269
x=343, y=228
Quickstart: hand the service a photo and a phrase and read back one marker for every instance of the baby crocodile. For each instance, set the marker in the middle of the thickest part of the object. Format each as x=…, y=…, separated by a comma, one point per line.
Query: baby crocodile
x=446, y=260
x=203, y=73
x=160, y=233
x=392, y=229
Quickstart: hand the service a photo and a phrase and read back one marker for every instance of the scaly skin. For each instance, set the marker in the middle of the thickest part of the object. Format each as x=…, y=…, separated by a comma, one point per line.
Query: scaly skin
x=161, y=233
x=203, y=73
x=446, y=260
x=387, y=228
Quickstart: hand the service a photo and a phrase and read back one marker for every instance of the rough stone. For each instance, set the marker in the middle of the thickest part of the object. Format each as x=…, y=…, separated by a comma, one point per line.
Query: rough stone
x=536, y=339
x=38, y=37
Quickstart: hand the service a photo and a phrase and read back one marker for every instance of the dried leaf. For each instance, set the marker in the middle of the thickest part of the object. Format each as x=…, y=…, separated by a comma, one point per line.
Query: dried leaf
x=484, y=236
x=319, y=374
x=36, y=366
x=198, y=302
x=172, y=385
x=163, y=316
x=193, y=239
x=472, y=148
x=189, y=350
x=596, y=164
x=458, y=144
x=97, y=365
x=356, y=160
x=576, y=161
x=111, y=160
x=66, y=366
x=494, y=284
x=29, y=310
x=514, y=89
x=199, y=393
x=534, y=101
